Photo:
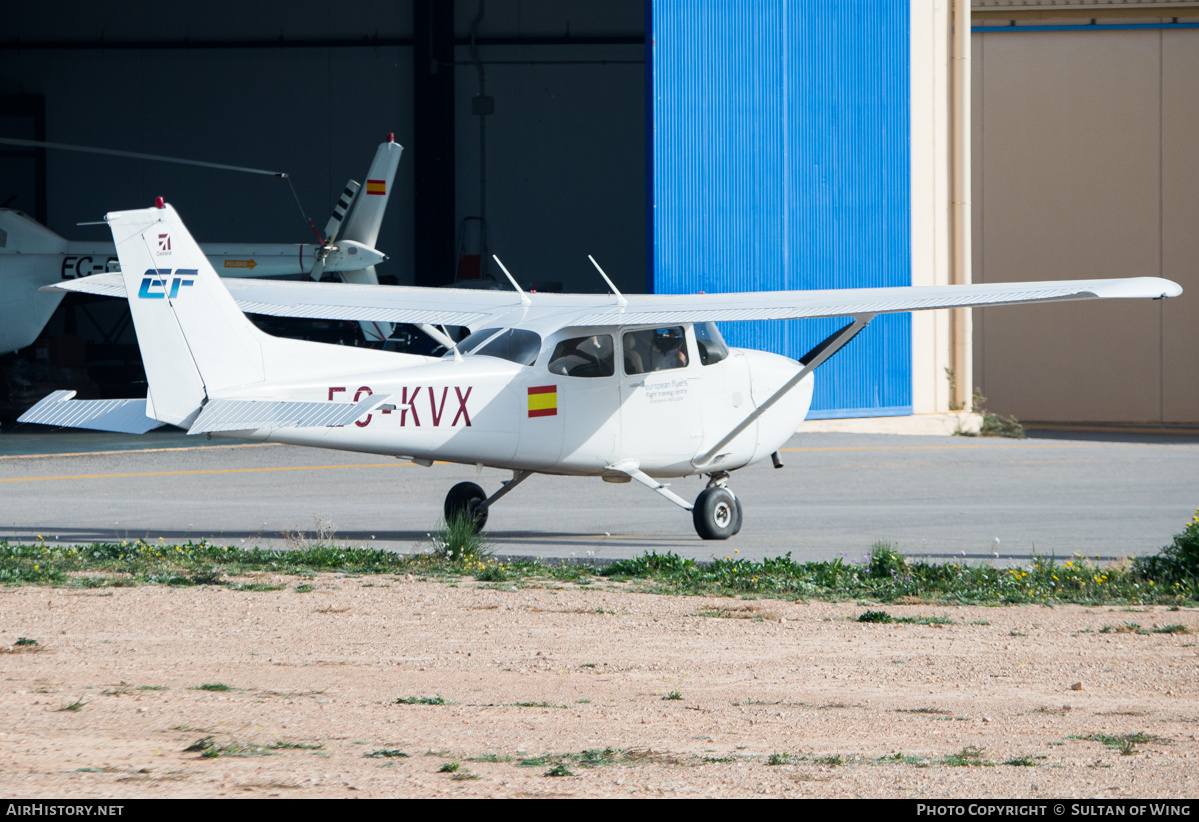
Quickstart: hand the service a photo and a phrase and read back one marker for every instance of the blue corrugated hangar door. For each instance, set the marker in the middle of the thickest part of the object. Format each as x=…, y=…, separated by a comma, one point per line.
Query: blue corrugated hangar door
x=780, y=160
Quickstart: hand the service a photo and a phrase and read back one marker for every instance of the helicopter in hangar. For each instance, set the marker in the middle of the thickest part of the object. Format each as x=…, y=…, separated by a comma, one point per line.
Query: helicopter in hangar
x=32, y=256
x=620, y=387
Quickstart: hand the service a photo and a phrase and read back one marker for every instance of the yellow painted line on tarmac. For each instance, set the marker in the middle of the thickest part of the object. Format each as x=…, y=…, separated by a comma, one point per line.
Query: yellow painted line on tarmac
x=963, y=447
x=140, y=451
x=214, y=471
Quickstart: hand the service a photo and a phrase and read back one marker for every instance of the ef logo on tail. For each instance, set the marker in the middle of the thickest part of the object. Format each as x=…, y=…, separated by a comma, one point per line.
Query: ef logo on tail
x=160, y=282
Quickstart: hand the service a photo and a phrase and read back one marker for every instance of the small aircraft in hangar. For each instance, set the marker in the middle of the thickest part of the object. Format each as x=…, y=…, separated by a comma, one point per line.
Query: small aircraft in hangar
x=625, y=388
x=32, y=256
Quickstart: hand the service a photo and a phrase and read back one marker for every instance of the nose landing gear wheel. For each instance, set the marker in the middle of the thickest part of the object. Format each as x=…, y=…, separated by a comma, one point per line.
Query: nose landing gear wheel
x=469, y=498
x=717, y=513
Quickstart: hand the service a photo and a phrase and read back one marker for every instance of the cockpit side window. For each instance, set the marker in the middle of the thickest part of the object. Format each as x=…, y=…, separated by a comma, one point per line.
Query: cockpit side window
x=712, y=348
x=655, y=349
x=584, y=357
x=516, y=345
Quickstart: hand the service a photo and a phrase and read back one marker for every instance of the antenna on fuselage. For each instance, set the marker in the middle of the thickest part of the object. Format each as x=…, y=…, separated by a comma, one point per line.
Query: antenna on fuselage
x=524, y=298
x=620, y=300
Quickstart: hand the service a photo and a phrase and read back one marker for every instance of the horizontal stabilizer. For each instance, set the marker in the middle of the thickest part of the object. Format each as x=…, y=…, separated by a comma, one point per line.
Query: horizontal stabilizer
x=119, y=416
x=331, y=301
x=102, y=285
x=252, y=415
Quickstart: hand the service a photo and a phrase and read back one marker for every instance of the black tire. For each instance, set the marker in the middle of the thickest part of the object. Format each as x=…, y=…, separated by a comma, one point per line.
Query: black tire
x=739, y=518
x=467, y=497
x=716, y=514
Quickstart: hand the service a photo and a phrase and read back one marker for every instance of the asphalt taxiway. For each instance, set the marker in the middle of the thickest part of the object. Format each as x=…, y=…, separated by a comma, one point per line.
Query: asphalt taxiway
x=935, y=496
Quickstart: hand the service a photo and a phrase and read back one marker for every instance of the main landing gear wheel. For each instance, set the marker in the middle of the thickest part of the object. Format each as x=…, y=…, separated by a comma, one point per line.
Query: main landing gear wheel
x=469, y=498
x=717, y=513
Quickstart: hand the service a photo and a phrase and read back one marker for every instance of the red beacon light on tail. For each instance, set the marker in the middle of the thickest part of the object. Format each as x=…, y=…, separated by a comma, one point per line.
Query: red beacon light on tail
x=158, y=203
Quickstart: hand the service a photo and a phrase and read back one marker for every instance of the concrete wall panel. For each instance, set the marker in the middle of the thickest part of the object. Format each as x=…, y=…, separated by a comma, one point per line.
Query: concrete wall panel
x=317, y=114
x=565, y=162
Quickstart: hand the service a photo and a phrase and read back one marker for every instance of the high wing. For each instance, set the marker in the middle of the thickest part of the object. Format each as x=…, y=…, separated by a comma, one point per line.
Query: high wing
x=477, y=308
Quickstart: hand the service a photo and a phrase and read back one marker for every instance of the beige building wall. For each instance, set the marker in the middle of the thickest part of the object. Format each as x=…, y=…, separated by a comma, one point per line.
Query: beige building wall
x=1180, y=223
x=930, y=199
x=1083, y=166
x=933, y=262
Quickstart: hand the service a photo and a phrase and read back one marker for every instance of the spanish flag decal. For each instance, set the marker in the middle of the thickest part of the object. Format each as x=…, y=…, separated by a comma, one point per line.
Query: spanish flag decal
x=376, y=186
x=543, y=401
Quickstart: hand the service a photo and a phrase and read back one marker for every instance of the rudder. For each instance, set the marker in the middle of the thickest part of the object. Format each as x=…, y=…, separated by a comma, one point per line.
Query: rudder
x=193, y=337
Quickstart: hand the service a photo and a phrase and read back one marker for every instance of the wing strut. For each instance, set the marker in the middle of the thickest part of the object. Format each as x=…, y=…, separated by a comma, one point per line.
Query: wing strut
x=517, y=478
x=811, y=361
x=633, y=469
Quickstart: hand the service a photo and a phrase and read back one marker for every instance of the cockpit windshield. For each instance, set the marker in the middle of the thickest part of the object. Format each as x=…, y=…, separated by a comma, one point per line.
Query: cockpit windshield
x=711, y=345
x=513, y=344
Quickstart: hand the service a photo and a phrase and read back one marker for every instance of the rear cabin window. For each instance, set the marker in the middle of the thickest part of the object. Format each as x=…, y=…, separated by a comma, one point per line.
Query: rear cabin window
x=655, y=349
x=584, y=357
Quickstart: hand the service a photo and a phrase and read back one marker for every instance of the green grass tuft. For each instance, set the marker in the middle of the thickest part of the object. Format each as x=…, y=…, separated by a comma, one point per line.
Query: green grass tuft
x=1022, y=762
x=1172, y=629
x=420, y=700
x=831, y=759
x=906, y=759
x=284, y=745
x=969, y=757
x=1178, y=563
x=489, y=757
x=492, y=573
x=1125, y=743
x=460, y=541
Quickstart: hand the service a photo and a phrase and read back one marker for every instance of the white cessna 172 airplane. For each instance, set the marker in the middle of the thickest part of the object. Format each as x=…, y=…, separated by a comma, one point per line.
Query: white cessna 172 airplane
x=637, y=387
x=32, y=256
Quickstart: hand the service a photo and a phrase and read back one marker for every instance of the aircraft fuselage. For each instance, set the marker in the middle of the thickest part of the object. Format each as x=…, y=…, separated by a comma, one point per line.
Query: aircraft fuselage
x=486, y=410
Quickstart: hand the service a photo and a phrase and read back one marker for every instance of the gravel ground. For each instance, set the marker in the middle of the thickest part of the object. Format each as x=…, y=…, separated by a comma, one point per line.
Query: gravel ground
x=700, y=696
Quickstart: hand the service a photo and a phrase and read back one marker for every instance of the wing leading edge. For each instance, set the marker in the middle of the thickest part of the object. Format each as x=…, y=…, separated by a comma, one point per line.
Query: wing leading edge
x=474, y=308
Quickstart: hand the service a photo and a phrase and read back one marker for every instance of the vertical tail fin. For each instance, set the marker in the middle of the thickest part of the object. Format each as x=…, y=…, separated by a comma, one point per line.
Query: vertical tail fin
x=367, y=214
x=24, y=311
x=20, y=234
x=367, y=217
x=193, y=337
